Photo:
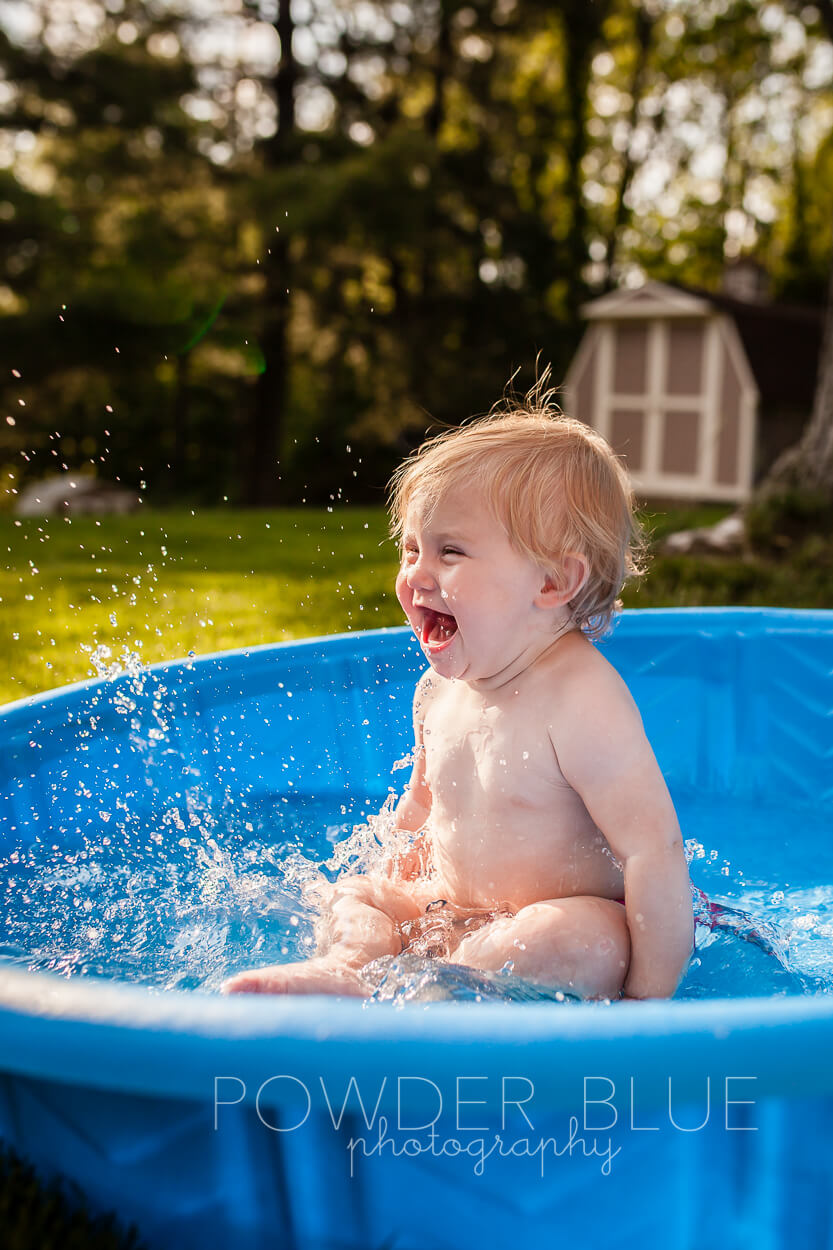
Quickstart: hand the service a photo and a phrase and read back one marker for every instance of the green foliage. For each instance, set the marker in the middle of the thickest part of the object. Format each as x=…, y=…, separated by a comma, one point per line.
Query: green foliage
x=659, y=524
x=114, y=277
x=52, y=1216
x=187, y=295
x=162, y=584
x=803, y=581
x=165, y=583
x=794, y=572
x=789, y=521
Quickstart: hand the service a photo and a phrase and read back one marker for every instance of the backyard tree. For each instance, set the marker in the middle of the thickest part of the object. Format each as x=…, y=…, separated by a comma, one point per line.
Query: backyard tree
x=272, y=394
x=433, y=227
x=108, y=236
x=312, y=226
x=802, y=478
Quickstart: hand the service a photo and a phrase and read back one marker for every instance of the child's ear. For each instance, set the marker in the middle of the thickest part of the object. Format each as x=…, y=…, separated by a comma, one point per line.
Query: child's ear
x=558, y=590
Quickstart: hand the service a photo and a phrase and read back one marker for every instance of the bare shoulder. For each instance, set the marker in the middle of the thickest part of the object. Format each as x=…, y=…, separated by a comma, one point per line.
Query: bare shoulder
x=592, y=696
x=603, y=752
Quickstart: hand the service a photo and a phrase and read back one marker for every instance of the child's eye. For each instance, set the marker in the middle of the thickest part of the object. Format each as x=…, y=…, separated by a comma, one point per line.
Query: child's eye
x=451, y=551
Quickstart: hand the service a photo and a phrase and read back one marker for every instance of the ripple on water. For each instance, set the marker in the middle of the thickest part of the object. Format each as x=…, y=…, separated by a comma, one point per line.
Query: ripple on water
x=202, y=896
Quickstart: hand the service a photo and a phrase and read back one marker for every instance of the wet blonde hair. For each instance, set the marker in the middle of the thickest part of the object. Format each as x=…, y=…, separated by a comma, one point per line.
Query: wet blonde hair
x=553, y=483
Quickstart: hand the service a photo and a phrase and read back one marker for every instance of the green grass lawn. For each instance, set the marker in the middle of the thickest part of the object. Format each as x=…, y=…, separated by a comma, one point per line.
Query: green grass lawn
x=166, y=583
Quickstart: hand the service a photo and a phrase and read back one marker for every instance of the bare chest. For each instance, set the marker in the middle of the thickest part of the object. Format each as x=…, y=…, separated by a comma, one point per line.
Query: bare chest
x=505, y=823
x=490, y=759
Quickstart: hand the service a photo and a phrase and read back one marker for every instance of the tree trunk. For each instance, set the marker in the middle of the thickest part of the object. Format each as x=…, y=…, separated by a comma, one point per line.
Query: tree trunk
x=180, y=419
x=434, y=118
x=644, y=32
x=263, y=488
x=581, y=24
x=808, y=466
x=442, y=69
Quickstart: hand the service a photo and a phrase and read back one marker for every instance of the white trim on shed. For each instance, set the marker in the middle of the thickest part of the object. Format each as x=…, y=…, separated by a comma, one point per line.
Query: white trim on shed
x=715, y=429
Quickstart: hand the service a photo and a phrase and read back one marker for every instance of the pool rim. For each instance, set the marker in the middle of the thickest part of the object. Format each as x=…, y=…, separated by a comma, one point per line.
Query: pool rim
x=44, y=1017
x=190, y=663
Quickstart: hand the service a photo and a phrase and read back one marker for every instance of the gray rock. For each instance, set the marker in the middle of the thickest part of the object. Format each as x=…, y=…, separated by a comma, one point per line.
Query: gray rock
x=726, y=537
x=74, y=493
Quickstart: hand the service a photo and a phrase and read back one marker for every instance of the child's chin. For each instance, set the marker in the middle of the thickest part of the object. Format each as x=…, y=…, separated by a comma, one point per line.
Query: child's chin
x=447, y=661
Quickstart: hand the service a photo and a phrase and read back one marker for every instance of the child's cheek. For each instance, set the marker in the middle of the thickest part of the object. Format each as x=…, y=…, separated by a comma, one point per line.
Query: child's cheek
x=449, y=590
x=404, y=593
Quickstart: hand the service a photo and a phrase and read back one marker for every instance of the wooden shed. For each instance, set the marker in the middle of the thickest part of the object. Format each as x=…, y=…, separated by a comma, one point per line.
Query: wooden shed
x=699, y=392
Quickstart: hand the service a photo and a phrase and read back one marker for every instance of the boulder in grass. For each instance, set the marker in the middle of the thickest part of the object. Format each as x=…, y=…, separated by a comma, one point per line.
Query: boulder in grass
x=73, y=494
x=727, y=537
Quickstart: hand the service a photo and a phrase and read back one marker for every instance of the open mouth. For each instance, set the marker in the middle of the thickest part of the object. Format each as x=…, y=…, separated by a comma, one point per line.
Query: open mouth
x=438, y=629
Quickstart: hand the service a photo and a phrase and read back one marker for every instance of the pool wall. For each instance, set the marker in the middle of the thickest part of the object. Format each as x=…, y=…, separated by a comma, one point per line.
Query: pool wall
x=238, y=1123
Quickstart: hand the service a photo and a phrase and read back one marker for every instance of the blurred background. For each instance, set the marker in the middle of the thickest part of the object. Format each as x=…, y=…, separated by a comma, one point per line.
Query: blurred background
x=237, y=239
x=251, y=251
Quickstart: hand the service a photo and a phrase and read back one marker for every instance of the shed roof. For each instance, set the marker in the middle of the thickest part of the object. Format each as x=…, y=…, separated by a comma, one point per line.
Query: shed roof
x=782, y=344
x=782, y=341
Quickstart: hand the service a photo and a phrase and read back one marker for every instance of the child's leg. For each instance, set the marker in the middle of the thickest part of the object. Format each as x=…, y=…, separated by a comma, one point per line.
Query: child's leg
x=359, y=922
x=580, y=945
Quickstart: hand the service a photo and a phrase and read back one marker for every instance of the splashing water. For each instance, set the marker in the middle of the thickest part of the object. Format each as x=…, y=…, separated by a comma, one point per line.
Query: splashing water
x=413, y=978
x=220, y=883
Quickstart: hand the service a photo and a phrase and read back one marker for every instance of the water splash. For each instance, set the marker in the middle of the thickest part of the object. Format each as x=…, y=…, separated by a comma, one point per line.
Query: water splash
x=220, y=880
x=410, y=978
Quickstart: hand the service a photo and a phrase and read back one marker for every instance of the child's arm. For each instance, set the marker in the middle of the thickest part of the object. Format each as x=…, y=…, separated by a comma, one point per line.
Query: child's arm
x=604, y=754
x=413, y=809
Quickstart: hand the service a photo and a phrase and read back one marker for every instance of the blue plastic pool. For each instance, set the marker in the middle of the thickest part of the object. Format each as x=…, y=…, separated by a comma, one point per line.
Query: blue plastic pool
x=323, y=1123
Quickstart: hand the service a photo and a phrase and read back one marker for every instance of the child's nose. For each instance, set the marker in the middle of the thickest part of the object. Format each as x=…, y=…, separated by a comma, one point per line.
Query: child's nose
x=420, y=575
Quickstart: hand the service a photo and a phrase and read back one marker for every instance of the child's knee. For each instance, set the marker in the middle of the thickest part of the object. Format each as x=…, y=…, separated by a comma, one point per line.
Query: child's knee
x=571, y=943
x=593, y=927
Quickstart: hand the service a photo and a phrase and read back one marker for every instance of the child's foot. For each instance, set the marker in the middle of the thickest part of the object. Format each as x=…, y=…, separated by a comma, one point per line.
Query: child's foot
x=313, y=976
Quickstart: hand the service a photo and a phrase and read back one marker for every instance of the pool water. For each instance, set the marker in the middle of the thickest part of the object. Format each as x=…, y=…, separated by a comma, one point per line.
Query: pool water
x=177, y=829
x=206, y=894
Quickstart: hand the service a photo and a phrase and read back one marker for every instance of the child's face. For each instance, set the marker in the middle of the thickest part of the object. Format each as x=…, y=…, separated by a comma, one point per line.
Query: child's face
x=469, y=595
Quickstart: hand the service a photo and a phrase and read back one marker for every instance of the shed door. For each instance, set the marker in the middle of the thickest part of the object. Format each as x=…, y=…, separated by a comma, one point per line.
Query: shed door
x=658, y=399
x=653, y=412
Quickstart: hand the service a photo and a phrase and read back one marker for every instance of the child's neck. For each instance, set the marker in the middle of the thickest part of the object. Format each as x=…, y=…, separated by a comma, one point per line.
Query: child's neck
x=527, y=660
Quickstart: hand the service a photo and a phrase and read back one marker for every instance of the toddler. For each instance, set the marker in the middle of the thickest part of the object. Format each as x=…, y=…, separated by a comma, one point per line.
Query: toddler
x=545, y=837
